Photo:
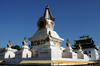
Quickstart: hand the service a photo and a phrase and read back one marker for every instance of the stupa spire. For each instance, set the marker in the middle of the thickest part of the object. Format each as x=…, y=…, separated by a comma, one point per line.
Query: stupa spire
x=47, y=14
x=80, y=46
x=9, y=44
x=68, y=43
x=25, y=41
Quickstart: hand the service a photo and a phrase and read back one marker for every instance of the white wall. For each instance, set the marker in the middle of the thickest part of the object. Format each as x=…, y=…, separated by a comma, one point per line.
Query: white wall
x=94, y=53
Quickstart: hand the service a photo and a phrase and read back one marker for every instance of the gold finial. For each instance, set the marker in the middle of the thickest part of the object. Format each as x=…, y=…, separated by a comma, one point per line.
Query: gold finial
x=47, y=6
x=25, y=38
x=9, y=41
x=9, y=44
x=68, y=40
x=80, y=46
x=68, y=43
x=25, y=41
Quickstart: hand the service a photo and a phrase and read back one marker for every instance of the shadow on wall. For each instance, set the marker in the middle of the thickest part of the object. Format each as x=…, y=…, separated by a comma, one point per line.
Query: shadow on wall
x=99, y=50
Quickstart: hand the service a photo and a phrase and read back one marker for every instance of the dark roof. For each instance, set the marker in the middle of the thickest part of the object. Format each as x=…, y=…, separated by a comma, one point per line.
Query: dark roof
x=83, y=43
x=83, y=38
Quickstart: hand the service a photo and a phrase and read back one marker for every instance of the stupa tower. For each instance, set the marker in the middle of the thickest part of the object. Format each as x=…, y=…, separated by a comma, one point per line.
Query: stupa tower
x=45, y=30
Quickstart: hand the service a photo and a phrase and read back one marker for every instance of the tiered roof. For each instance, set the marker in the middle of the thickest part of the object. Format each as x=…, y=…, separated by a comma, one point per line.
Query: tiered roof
x=85, y=42
x=83, y=38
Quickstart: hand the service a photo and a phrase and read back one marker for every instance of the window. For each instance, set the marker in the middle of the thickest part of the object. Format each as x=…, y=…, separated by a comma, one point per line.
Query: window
x=8, y=56
x=89, y=52
x=38, y=43
x=44, y=52
x=85, y=52
x=75, y=52
x=36, y=54
x=26, y=55
x=89, y=56
x=63, y=50
x=32, y=43
x=36, y=51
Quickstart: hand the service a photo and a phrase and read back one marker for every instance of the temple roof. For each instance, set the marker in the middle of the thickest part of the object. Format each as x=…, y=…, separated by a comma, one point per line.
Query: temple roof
x=83, y=43
x=83, y=38
x=43, y=34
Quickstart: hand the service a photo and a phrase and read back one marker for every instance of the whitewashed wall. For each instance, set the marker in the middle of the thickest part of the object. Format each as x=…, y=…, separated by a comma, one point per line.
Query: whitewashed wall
x=94, y=53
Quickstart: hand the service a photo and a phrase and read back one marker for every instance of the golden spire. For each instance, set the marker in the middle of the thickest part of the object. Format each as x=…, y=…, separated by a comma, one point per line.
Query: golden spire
x=9, y=41
x=68, y=43
x=25, y=41
x=47, y=14
x=9, y=44
x=25, y=38
x=47, y=7
x=80, y=46
x=68, y=40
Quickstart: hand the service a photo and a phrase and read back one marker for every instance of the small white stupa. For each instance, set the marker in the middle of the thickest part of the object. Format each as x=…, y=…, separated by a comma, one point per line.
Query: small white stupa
x=10, y=53
x=68, y=53
x=24, y=52
x=80, y=53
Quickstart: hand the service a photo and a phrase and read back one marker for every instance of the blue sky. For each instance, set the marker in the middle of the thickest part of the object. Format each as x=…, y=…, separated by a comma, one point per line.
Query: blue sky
x=18, y=18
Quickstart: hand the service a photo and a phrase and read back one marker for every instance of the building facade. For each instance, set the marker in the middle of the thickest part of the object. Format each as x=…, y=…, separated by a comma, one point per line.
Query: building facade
x=88, y=47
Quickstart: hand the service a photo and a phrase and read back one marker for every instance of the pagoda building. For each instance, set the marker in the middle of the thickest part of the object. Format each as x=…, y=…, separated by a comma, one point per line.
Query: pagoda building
x=88, y=46
x=85, y=42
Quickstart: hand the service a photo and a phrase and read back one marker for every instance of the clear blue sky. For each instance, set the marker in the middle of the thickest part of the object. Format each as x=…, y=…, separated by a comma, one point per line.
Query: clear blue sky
x=18, y=18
